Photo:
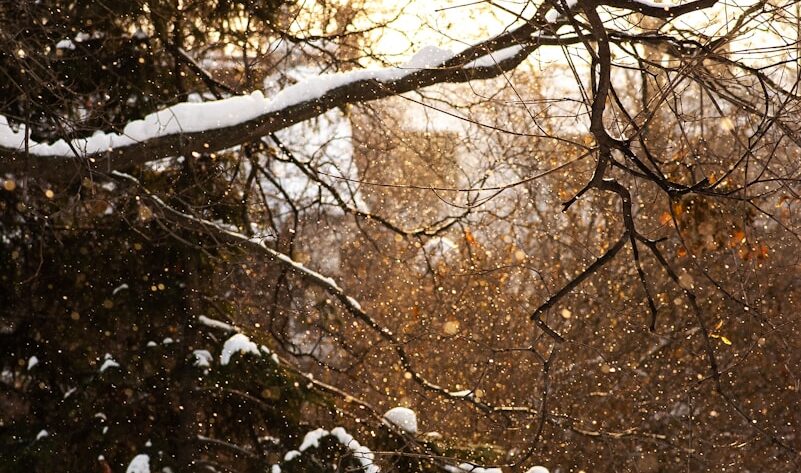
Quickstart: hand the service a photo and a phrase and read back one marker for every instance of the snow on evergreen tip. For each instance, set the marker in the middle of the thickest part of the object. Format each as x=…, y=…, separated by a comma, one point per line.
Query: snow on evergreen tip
x=214, y=323
x=108, y=362
x=470, y=468
x=537, y=469
x=403, y=418
x=362, y=454
x=238, y=343
x=202, y=358
x=139, y=464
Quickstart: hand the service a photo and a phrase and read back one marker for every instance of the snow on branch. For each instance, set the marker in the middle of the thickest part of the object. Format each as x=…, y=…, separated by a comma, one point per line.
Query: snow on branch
x=362, y=454
x=197, y=117
x=238, y=343
x=187, y=127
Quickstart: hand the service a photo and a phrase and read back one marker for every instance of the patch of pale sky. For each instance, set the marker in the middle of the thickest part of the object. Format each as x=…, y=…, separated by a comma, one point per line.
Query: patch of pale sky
x=456, y=24
x=448, y=24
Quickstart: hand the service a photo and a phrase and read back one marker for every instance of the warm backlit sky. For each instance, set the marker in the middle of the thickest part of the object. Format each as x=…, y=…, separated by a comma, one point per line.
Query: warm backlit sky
x=456, y=24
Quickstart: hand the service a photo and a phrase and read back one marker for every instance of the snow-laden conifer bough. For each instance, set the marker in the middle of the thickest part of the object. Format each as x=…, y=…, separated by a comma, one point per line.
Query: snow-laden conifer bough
x=238, y=343
x=362, y=454
x=187, y=128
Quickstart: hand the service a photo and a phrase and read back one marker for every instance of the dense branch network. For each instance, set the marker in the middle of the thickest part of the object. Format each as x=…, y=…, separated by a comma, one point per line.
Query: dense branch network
x=623, y=155
x=165, y=135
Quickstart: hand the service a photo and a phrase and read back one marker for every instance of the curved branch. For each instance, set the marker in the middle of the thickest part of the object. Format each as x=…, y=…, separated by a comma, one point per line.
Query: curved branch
x=567, y=288
x=351, y=305
x=188, y=128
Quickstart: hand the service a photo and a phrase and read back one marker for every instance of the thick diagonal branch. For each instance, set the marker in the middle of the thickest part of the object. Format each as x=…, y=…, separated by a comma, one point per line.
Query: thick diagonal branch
x=363, y=88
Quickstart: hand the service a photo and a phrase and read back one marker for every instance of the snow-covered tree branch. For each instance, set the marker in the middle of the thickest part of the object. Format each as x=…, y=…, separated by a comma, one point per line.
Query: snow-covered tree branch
x=370, y=236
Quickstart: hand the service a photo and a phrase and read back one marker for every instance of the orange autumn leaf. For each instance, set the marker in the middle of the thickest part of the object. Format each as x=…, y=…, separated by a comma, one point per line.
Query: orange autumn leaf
x=722, y=338
x=469, y=238
x=737, y=239
x=781, y=201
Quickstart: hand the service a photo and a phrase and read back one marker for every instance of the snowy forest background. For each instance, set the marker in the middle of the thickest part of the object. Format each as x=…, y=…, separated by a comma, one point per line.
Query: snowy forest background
x=309, y=236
